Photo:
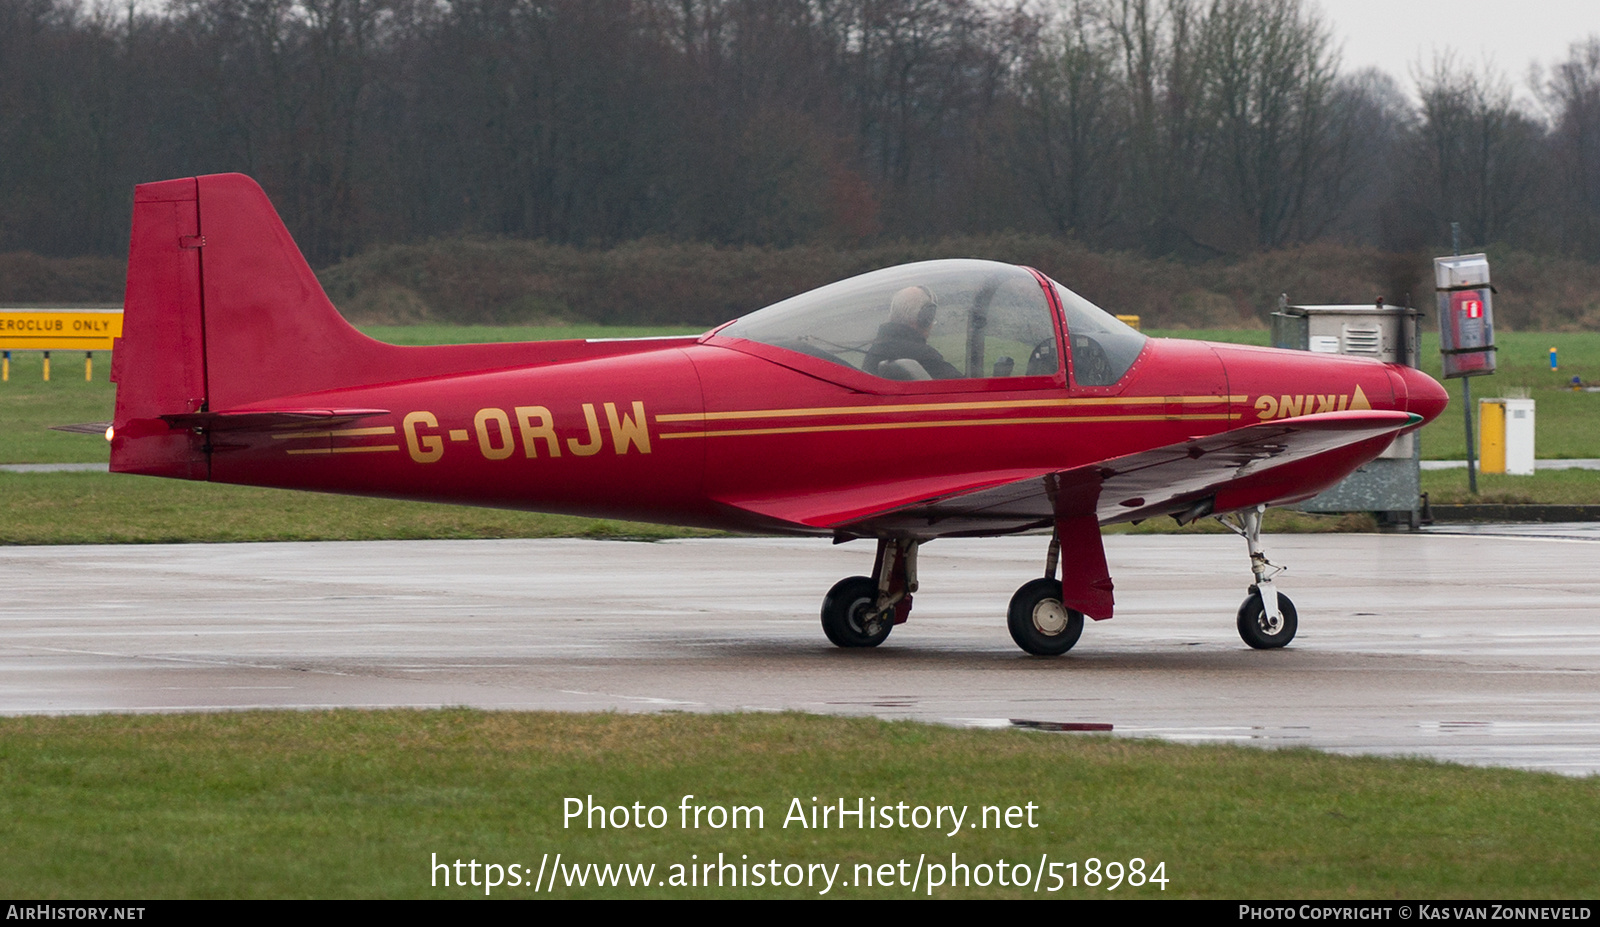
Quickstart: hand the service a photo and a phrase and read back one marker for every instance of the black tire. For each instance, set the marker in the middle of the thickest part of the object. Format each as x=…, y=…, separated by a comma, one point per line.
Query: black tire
x=847, y=614
x=1252, y=622
x=1039, y=623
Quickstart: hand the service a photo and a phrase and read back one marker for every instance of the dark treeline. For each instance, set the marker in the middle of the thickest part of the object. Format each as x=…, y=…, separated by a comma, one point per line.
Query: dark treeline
x=1185, y=128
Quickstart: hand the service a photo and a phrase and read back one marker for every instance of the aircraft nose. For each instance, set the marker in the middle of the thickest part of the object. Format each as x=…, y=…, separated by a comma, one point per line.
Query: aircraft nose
x=1424, y=395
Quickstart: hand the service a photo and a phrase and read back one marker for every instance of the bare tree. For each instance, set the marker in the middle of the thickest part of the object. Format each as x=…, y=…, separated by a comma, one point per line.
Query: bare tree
x=1572, y=96
x=1269, y=78
x=1476, y=155
x=1179, y=127
x=1369, y=118
x=1071, y=138
x=1163, y=79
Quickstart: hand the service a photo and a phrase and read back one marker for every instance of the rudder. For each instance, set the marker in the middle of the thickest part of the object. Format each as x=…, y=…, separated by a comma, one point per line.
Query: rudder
x=159, y=362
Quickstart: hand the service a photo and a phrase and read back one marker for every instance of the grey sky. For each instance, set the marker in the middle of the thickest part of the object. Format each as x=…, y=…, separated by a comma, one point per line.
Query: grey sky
x=1396, y=34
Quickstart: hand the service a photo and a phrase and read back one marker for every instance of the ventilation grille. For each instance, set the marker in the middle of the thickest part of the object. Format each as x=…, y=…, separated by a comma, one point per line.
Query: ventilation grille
x=1363, y=339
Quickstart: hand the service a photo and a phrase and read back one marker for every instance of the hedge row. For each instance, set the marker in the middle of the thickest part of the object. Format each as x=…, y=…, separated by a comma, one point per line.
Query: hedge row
x=470, y=281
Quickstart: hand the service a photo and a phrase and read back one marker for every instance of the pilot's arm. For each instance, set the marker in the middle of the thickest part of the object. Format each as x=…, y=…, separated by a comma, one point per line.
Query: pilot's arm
x=934, y=362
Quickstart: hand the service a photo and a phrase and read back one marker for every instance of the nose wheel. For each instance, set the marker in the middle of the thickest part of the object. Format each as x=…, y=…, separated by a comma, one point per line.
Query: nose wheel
x=1263, y=632
x=1267, y=619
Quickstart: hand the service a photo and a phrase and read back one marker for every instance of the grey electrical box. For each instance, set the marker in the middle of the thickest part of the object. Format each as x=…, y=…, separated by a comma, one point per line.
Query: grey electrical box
x=1390, y=486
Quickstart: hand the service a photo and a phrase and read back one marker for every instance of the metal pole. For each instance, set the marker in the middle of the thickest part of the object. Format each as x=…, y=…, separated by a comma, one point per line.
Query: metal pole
x=1472, y=463
x=1466, y=388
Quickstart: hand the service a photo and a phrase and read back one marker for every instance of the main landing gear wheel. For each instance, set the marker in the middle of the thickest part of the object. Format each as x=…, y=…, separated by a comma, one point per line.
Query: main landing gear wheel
x=849, y=614
x=1261, y=633
x=1039, y=623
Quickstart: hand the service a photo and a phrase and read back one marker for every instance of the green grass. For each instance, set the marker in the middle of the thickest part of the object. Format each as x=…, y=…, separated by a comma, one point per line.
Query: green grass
x=29, y=406
x=1256, y=336
x=1544, y=487
x=356, y=804
x=1567, y=424
x=1277, y=521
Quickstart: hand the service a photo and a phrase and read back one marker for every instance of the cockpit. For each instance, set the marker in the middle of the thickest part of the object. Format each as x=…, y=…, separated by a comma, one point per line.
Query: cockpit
x=945, y=320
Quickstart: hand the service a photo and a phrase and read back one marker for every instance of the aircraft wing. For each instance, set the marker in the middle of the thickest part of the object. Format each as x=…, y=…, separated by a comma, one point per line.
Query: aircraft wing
x=1271, y=462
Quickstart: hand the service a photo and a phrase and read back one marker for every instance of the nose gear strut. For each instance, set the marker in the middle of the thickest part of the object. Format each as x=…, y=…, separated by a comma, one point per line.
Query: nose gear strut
x=1267, y=619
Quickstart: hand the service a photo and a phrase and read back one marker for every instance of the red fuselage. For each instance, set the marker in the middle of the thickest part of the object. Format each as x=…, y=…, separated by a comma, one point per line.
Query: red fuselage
x=723, y=433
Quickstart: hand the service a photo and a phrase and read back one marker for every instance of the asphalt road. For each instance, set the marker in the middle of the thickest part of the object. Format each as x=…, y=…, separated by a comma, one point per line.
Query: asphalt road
x=1479, y=649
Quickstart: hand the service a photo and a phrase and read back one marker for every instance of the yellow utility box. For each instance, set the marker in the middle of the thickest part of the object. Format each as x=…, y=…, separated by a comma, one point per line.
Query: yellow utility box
x=1505, y=436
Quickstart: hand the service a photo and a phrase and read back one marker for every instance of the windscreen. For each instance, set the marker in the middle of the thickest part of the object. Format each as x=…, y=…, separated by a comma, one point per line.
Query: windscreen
x=931, y=321
x=1103, y=347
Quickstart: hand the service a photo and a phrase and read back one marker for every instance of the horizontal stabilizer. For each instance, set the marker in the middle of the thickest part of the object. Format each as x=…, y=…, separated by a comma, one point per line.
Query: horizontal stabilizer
x=98, y=429
x=267, y=420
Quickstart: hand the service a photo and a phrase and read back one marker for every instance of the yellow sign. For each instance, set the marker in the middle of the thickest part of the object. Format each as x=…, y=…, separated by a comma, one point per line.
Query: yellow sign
x=59, y=329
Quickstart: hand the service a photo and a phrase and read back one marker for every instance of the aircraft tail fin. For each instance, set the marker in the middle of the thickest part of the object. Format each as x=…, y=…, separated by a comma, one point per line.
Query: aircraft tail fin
x=221, y=310
x=222, y=314
x=225, y=328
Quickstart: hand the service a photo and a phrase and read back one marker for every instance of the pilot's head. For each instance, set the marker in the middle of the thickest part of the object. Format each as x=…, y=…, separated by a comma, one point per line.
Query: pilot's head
x=914, y=307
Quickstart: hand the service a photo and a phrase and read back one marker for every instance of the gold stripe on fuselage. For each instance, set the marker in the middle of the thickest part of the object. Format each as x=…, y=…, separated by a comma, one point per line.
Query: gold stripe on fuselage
x=339, y=433
x=358, y=449
x=1060, y=403
x=951, y=423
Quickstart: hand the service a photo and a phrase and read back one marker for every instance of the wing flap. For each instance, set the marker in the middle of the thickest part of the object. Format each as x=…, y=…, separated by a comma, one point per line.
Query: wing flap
x=849, y=504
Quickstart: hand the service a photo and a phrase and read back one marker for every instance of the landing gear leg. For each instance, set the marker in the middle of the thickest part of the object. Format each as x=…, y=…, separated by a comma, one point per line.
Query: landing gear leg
x=1267, y=619
x=860, y=611
x=1038, y=620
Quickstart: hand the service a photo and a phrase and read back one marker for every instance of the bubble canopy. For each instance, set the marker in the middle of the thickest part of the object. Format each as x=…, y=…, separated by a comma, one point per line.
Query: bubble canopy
x=940, y=320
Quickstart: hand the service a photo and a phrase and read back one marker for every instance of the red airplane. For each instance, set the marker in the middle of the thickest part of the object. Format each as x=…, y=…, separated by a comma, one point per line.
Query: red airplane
x=941, y=399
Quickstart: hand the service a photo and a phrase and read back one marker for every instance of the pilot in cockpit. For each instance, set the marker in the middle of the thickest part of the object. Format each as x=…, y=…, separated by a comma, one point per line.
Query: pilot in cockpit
x=904, y=338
